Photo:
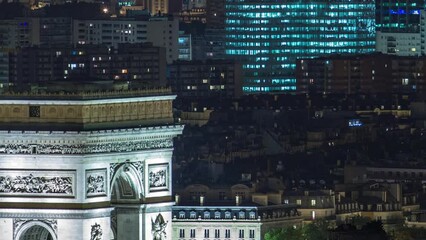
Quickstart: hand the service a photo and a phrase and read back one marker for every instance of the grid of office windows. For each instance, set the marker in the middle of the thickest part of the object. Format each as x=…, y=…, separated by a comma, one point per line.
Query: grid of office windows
x=398, y=15
x=268, y=36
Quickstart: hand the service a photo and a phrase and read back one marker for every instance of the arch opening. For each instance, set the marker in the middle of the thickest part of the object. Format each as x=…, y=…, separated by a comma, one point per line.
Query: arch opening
x=36, y=232
x=126, y=185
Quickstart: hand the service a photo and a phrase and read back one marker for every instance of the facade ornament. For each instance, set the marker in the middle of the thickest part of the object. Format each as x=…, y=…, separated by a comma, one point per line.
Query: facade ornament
x=96, y=182
x=118, y=146
x=18, y=223
x=96, y=232
x=30, y=184
x=159, y=228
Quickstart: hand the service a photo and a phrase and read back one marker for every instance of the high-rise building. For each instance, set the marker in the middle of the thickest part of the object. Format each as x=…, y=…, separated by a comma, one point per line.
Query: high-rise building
x=399, y=43
x=215, y=14
x=204, y=79
x=129, y=62
x=398, y=15
x=175, y=6
x=185, y=46
x=365, y=73
x=268, y=36
x=157, y=6
x=162, y=31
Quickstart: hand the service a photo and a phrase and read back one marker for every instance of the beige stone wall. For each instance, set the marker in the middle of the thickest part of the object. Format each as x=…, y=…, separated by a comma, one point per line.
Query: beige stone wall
x=97, y=113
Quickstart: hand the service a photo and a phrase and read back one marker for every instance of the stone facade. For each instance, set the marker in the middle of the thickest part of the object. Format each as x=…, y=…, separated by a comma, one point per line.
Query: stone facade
x=101, y=183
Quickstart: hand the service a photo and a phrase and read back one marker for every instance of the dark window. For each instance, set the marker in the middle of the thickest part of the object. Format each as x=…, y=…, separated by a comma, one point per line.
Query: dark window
x=34, y=111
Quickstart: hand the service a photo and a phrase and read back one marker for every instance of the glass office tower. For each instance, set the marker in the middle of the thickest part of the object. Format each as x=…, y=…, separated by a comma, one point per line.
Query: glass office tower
x=399, y=15
x=267, y=36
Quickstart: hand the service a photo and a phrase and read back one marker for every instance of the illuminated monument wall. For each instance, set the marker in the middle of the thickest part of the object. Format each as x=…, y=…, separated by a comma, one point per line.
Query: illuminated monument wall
x=86, y=166
x=268, y=36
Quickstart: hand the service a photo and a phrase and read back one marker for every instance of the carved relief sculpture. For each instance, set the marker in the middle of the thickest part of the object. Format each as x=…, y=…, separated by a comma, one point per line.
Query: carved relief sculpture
x=158, y=177
x=96, y=182
x=96, y=232
x=38, y=185
x=85, y=149
x=159, y=228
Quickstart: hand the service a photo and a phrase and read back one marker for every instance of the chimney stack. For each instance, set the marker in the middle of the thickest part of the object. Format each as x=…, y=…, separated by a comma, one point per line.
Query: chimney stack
x=237, y=200
x=177, y=199
x=201, y=200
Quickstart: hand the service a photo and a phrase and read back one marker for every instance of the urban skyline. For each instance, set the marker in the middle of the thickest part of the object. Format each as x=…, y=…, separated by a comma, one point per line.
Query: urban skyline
x=212, y=120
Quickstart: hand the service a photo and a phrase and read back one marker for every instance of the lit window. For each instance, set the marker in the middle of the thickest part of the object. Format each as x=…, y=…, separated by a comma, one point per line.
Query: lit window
x=313, y=202
x=124, y=71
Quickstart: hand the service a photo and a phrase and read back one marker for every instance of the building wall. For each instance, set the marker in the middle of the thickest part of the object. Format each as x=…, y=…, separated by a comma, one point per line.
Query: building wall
x=256, y=35
x=369, y=73
x=136, y=62
x=215, y=14
x=201, y=226
x=398, y=16
x=214, y=78
x=157, y=6
x=109, y=32
x=19, y=32
x=401, y=44
x=241, y=222
x=164, y=32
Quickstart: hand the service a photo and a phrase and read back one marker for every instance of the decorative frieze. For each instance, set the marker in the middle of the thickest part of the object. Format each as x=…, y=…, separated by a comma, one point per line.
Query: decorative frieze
x=37, y=183
x=128, y=146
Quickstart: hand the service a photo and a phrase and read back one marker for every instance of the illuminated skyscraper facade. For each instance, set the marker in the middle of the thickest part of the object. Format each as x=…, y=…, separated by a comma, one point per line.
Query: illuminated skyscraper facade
x=268, y=36
x=398, y=15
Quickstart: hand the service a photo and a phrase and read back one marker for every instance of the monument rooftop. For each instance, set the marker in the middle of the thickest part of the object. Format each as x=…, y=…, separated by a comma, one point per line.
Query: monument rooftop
x=85, y=108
